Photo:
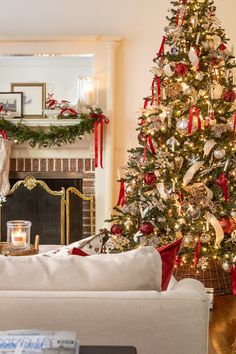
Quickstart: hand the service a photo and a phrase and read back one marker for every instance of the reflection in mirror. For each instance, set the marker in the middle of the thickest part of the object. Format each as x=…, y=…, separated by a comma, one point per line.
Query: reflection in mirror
x=61, y=73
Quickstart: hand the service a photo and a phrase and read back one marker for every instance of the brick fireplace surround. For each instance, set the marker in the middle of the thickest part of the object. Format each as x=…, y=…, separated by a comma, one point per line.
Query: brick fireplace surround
x=84, y=167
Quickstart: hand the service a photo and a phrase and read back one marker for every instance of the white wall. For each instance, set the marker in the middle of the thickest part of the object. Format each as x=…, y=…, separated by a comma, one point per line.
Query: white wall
x=60, y=74
x=141, y=24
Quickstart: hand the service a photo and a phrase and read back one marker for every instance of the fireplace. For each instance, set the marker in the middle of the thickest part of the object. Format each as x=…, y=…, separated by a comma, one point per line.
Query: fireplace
x=56, y=173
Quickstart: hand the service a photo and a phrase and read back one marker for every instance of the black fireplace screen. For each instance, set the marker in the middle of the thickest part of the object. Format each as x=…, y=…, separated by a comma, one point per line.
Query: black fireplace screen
x=45, y=206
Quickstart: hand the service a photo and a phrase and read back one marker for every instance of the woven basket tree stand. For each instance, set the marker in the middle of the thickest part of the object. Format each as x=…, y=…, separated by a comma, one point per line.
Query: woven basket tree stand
x=212, y=277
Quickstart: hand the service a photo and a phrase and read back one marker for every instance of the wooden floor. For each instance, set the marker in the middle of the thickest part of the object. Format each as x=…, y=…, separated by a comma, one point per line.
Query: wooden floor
x=222, y=331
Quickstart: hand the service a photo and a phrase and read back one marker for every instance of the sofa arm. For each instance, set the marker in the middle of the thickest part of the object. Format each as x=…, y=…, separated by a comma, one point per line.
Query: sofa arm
x=186, y=287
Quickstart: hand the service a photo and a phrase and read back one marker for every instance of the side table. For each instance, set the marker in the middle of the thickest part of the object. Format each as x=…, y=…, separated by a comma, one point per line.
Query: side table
x=84, y=349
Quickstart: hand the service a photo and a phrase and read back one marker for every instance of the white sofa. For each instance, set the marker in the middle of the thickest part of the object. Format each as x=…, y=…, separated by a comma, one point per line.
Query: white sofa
x=155, y=322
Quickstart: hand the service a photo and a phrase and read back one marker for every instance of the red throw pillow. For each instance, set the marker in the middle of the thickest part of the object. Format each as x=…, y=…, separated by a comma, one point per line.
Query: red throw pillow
x=168, y=255
x=79, y=252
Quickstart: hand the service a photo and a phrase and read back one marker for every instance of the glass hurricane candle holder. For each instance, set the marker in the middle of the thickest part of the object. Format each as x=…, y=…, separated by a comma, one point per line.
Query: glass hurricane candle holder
x=18, y=233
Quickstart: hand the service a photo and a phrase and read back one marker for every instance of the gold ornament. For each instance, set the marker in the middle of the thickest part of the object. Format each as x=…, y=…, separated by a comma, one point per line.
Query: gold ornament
x=205, y=238
x=199, y=75
x=173, y=90
x=219, y=154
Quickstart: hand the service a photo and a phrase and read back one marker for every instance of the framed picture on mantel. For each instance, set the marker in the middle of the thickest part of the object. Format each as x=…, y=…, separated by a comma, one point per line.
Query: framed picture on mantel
x=34, y=97
x=11, y=104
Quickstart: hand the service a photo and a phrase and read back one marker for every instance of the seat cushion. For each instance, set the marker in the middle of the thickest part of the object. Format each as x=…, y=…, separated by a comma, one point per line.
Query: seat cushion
x=133, y=270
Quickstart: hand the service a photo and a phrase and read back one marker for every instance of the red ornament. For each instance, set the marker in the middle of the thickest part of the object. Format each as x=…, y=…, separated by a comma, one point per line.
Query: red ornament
x=228, y=224
x=181, y=69
x=146, y=228
x=229, y=96
x=150, y=178
x=116, y=229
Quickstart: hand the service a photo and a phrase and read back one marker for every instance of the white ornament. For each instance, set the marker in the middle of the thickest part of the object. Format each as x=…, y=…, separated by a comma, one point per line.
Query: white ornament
x=225, y=266
x=193, y=57
x=168, y=70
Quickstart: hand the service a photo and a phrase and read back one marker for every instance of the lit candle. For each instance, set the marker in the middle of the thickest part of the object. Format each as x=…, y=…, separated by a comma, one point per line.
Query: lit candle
x=89, y=100
x=18, y=237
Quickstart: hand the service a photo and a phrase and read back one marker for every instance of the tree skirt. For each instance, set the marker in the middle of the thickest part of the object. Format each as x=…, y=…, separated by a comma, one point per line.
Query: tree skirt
x=212, y=277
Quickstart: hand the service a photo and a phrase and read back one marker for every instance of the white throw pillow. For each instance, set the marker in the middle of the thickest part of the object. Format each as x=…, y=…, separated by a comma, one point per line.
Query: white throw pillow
x=133, y=270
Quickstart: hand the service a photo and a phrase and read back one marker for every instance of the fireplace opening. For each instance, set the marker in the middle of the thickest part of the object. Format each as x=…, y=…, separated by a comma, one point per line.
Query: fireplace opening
x=47, y=211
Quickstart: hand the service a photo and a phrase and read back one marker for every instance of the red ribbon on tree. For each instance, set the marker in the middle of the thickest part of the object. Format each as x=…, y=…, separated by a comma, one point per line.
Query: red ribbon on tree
x=148, y=141
x=198, y=51
x=222, y=182
x=197, y=252
x=234, y=126
x=162, y=47
x=4, y=134
x=156, y=82
x=121, y=198
x=145, y=103
x=194, y=110
x=233, y=274
x=100, y=119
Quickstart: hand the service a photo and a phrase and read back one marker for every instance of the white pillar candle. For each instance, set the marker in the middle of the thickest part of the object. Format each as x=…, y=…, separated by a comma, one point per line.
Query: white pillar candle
x=18, y=237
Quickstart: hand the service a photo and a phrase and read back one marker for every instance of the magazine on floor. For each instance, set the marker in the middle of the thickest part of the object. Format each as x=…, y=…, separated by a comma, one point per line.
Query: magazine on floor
x=37, y=341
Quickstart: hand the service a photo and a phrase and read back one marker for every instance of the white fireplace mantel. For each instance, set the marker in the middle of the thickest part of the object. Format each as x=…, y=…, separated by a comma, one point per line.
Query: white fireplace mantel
x=104, y=51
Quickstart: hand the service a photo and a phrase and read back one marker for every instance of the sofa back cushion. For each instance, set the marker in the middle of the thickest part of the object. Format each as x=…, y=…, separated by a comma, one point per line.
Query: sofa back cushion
x=132, y=270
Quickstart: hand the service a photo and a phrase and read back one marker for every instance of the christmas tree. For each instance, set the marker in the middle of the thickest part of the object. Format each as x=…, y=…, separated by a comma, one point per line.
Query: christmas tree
x=180, y=182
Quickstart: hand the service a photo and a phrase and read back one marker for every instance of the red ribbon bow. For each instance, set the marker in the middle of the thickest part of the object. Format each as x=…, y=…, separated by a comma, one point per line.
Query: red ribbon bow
x=222, y=182
x=4, y=134
x=190, y=122
x=99, y=120
x=121, y=198
x=162, y=47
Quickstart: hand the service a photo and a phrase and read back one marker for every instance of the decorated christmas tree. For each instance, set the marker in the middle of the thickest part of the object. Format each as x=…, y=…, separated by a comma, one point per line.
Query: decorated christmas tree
x=180, y=182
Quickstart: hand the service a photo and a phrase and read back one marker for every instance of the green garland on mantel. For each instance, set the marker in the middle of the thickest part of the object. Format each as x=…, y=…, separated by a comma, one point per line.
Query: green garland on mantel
x=54, y=135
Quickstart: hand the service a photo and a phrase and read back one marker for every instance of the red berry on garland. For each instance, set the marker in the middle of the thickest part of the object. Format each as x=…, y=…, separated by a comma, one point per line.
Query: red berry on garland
x=228, y=224
x=181, y=69
x=146, y=228
x=150, y=178
x=229, y=96
x=116, y=229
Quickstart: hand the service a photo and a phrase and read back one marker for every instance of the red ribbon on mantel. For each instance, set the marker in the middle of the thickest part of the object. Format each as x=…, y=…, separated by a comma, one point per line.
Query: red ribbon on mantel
x=197, y=252
x=99, y=120
x=233, y=274
x=4, y=134
x=121, y=198
x=194, y=110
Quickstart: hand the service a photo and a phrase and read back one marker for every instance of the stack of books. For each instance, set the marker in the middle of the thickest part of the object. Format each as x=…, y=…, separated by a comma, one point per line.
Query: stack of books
x=34, y=341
